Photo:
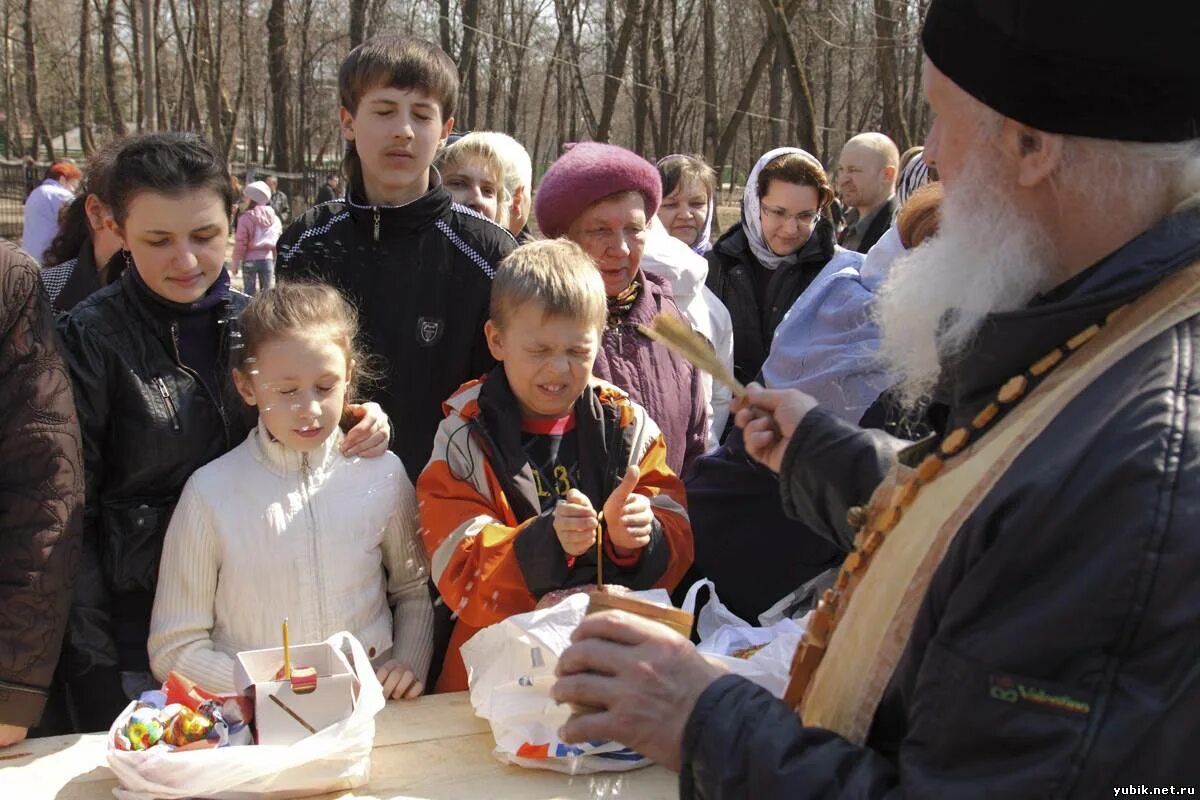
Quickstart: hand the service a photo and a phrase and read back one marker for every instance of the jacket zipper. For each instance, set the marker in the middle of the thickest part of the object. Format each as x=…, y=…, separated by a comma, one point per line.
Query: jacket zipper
x=306, y=499
x=171, y=409
x=376, y=210
x=196, y=377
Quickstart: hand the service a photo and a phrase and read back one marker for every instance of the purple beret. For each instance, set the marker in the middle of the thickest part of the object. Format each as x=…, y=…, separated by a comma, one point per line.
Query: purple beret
x=588, y=172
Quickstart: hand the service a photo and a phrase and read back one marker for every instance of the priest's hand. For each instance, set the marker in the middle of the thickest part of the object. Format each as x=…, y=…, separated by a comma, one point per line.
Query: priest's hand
x=644, y=678
x=768, y=418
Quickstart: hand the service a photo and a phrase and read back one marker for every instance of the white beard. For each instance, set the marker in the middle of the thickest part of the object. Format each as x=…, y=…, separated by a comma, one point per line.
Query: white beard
x=987, y=257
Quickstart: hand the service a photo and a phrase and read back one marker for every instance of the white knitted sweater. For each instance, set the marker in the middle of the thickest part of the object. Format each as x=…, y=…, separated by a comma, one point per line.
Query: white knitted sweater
x=264, y=533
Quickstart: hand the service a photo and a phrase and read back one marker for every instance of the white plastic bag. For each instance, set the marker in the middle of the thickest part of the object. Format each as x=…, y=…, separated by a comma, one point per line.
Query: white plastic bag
x=511, y=669
x=335, y=758
x=723, y=633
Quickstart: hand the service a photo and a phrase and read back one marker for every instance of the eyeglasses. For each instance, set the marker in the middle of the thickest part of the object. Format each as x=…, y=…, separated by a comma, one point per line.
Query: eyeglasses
x=803, y=218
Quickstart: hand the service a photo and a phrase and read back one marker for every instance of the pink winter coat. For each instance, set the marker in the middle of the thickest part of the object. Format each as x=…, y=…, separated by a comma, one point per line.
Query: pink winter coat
x=257, y=231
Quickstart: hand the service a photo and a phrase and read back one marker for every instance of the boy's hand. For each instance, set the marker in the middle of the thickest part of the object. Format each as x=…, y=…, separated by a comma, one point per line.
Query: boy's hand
x=399, y=681
x=575, y=523
x=628, y=515
x=370, y=435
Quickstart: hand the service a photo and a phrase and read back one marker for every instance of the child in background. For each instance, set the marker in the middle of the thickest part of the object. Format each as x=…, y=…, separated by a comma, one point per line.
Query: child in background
x=529, y=455
x=258, y=229
x=688, y=207
x=518, y=179
x=473, y=174
x=284, y=525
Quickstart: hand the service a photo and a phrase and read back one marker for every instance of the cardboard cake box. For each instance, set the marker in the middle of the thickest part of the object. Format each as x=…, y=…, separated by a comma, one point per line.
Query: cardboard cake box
x=281, y=715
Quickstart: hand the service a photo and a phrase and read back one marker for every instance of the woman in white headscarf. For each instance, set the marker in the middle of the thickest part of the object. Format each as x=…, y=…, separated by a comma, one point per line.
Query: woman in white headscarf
x=762, y=264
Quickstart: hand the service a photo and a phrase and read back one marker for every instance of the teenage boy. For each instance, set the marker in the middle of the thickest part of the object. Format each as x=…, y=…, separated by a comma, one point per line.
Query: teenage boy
x=529, y=456
x=417, y=268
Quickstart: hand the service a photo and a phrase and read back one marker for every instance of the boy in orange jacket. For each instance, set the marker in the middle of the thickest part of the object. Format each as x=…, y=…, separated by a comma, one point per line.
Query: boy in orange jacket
x=529, y=455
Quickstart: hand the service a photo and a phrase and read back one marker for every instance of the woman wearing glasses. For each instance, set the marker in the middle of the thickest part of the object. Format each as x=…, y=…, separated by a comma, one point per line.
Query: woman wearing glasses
x=762, y=264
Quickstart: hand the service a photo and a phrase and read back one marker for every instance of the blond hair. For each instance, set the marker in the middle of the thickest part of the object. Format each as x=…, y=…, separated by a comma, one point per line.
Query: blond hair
x=556, y=273
x=478, y=149
x=518, y=169
x=295, y=309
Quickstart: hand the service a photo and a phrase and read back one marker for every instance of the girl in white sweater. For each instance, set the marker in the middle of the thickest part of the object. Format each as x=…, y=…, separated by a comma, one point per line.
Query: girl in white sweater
x=284, y=525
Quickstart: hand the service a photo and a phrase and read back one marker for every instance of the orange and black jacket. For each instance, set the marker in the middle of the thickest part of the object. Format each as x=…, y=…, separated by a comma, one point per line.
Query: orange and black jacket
x=493, y=552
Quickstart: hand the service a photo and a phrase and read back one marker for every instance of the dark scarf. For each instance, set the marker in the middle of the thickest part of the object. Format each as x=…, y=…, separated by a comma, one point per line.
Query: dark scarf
x=620, y=306
x=195, y=325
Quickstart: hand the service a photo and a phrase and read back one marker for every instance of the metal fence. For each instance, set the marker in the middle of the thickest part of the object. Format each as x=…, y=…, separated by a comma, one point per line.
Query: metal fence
x=19, y=178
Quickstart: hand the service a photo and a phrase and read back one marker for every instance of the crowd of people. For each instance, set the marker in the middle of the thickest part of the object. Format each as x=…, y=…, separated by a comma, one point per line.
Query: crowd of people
x=966, y=447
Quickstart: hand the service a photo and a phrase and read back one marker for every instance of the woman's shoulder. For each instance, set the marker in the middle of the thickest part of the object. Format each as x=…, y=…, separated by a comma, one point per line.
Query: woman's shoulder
x=104, y=312
x=387, y=467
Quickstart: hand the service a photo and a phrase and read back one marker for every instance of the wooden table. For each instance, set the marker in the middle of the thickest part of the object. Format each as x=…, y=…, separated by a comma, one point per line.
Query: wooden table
x=434, y=748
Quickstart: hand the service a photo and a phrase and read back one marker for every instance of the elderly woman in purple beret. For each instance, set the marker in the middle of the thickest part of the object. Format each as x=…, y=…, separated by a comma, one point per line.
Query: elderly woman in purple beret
x=602, y=197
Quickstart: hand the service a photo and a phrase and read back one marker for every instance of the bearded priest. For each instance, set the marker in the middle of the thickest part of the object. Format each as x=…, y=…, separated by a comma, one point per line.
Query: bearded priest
x=1020, y=612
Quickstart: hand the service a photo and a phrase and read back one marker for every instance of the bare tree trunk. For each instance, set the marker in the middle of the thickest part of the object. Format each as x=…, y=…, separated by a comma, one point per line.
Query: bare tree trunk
x=565, y=11
x=85, y=78
x=614, y=69
x=494, y=71
x=374, y=18
x=552, y=70
x=802, y=105
x=300, y=143
x=468, y=62
x=150, y=103
x=189, y=89
x=516, y=79
x=12, y=127
x=280, y=81
x=358, y=22
x=775, y=101
x=641, y=72
x=827, y=118
x=444, y=25
x=160, y=93
x=139, y=94
x=765, y=51
x=916, y=128
x=107, y=45
x=711, y=132
x=889, y=79
x=40, y=131
x=851, y=49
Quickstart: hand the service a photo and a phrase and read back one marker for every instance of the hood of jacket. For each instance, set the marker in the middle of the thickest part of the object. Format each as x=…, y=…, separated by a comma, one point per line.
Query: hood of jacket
x=684, y=269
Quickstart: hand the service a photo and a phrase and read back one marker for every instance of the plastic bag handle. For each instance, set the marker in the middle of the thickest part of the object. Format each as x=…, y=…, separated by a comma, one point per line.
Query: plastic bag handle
x=689, y=601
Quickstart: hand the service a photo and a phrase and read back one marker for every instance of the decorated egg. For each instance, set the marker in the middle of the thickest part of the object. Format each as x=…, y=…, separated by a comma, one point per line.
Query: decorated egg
x=144, y=728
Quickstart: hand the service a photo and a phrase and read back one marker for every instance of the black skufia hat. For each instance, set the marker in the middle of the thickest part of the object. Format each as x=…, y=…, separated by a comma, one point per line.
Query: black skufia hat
x=1097, y=68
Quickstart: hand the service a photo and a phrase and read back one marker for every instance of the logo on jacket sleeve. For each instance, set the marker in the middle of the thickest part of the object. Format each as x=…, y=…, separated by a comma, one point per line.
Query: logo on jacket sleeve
x=429, y=330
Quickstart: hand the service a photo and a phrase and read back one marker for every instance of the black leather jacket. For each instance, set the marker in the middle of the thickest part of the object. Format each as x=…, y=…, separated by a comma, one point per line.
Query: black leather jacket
x=148, y=422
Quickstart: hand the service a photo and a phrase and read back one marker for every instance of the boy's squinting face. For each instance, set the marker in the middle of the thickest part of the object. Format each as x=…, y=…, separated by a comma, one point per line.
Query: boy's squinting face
x=547, y=359
x=396, y=133
x=298, y=384
x=472, y=184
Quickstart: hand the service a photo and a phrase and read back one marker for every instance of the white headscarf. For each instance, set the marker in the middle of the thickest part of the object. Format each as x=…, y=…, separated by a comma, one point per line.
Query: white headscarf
x=751, y=210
